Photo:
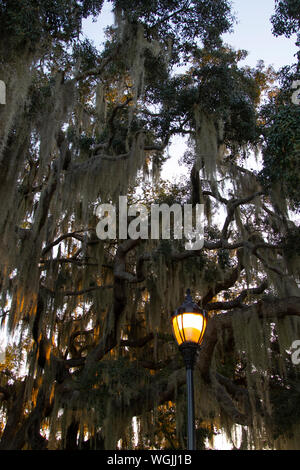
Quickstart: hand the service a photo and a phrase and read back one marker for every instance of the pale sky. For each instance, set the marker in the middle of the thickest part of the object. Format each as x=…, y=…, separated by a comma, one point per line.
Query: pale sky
x=254, y=33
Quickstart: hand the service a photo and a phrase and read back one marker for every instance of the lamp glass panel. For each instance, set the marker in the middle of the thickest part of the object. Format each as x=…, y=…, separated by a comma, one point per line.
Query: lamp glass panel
x=188, y=327
x=177, y=329
x=192, y=325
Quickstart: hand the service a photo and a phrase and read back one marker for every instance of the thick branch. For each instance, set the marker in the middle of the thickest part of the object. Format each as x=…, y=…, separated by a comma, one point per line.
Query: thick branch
x=61, y=238
x=238, y=301
x=231, y=207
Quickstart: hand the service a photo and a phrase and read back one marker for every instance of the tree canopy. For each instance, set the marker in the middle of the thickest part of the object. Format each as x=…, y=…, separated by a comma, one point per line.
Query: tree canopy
x=286, y=18
x=91, y=362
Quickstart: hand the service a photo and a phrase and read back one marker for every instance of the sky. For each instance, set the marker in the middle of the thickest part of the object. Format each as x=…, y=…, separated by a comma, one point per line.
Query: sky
x=252, y=32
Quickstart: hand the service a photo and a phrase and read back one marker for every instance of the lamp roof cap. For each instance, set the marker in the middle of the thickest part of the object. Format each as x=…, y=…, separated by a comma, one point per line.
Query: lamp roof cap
x=188, y=306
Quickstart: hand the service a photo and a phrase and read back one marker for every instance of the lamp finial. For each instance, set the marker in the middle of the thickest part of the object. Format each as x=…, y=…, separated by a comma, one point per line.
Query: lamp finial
x=188, y=294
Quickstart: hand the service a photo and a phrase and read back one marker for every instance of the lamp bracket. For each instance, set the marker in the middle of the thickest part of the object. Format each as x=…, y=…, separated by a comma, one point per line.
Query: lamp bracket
x=189, y=353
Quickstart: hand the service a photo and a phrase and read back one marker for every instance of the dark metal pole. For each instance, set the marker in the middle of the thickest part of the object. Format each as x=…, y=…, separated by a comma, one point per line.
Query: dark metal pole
x=190, y=409
x=189, y=351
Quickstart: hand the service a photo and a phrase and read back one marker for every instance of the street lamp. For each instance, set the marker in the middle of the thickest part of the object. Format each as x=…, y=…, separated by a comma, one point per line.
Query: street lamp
x=188, y=324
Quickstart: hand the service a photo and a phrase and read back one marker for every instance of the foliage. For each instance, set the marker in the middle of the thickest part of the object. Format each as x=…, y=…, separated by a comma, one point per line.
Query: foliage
x=281, y=139
x=29, y=22
x=183, y=22
x=286, y=18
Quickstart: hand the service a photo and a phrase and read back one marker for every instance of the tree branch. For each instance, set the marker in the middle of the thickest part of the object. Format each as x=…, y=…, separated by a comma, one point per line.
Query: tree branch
x=238, y=301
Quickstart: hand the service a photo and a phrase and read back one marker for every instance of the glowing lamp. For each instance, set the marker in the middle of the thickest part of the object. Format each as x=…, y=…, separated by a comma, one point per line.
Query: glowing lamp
x=189, y=323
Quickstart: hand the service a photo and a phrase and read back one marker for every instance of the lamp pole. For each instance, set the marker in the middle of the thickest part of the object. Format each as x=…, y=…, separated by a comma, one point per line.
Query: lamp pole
x=189, y=352
x=189, y=323
x=190, y=410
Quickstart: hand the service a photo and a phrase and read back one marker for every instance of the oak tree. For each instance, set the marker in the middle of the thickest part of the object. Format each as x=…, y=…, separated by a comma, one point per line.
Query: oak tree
x=95, y=364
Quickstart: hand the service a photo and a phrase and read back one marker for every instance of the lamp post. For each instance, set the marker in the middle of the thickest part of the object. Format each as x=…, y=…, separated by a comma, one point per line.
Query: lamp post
x=189, y=324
